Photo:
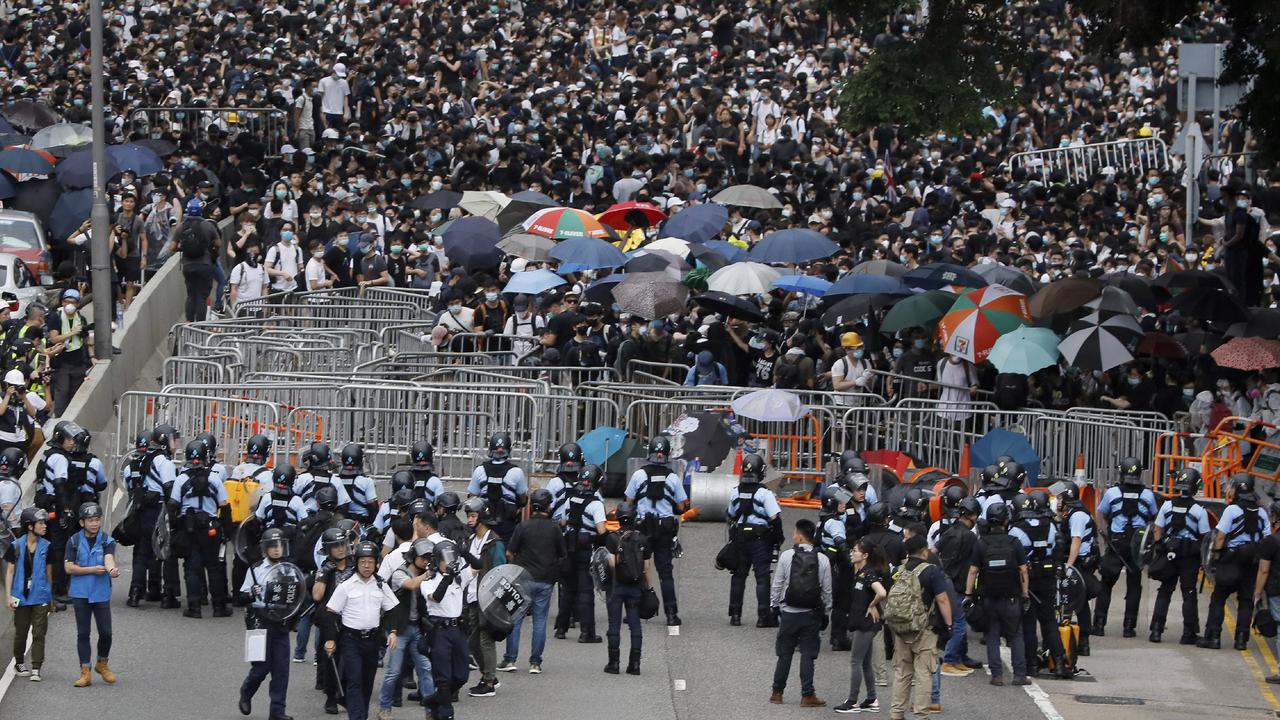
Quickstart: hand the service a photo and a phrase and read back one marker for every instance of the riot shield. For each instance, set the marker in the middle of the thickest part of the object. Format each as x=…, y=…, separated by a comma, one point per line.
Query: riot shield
x=1206, y=555
x=162, y=539
x=599, y=568
x=1070, y=592
x=246, y=542
x=449, y=553
x=284, y=592
x=504, y=598
x=1142, y=546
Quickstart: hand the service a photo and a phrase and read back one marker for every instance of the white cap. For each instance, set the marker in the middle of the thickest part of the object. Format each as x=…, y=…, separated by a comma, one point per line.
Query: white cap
x=707, y=35
x=1008, y=202
x=340, y=70
x=674, y=202
x=519, y=264
x=288, y=149
x=14, y=377
x=329, y=134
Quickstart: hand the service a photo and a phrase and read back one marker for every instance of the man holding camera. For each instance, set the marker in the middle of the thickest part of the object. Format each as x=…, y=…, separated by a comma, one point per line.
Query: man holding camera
x=18, y=411
x=68, y=327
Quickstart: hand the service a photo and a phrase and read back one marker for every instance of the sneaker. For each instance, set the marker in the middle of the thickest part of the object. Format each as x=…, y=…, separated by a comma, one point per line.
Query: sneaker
x=871, y=705
x=848, y=707
x=474, y=666
x=507, y=666
x=972, y=664
x=535, y=668
x=482, y=689
x=955, y=670
x=21, y=670
x=35, y=675
x=882, y=683
x=299, y=659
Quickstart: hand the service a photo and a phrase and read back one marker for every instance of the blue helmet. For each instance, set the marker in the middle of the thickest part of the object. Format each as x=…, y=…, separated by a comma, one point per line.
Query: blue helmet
x=195, y=207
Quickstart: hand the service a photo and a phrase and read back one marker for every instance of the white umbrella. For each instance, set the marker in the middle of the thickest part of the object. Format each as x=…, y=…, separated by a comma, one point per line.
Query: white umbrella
x=770, y=405
x=744, y=278
x=62, y=135
x=748, y=196
x=671, y=245
x=484, y=203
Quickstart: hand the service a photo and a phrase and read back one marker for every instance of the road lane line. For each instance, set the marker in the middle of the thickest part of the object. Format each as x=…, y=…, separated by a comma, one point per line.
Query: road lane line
x=1037, y=694
x=10, y=673
x=1229, y=619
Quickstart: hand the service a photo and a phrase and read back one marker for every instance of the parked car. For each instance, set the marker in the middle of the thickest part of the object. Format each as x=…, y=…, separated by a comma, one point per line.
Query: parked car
x=22, y=234
x=16, y=278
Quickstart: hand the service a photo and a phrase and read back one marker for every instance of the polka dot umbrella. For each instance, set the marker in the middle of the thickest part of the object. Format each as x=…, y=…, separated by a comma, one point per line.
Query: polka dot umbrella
x=978, y=318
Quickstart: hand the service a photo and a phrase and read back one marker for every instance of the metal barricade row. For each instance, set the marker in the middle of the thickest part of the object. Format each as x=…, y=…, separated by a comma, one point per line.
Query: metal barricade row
x=230, y=421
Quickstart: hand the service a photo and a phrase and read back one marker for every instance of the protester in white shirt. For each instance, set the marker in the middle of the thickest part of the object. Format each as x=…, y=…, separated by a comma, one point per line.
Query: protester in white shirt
x=248, y=278
x=284, y=260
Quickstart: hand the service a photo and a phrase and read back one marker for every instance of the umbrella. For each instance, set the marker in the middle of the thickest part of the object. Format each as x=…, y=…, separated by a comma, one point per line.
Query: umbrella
x=522, y=205
x=731, y=252
x=705, y=436
x=616, y=216
x=472, y=242
x=1197, y=342
x=698, y=223
x=72, y=208
x=532, y=282
x=650, y=295
x=586, y=253
x=483, y=203
x=770, y=406
x=655, y=262
x=1124, y=327
x=159, y=146
x=1158, y=344
x=706, y=258
x=792, y=246
x=11, y=139
x=999, y=442
x=62, y=135
x=1248, y=353
x=808, y=284
x=533, y=197
x=37, y=197
x=29, y=115
x=601, y=290
x=141, y=160
x=921, y=310
x=1137, y=287
x=77, y=170
x=601, y=444
x=504, y=597
x=529, y=247
x=730, y=305
x=1264, y=323
x=936, y=276
x=1014, y=279
x=1025, y=350
x=980, y=316
x=1114, y=299
x=24, y=161
x=748, y=196
x=6, y=187
x=867, y=285
x=1187, y=279
x=1211, y=304
x=1094, y=348
x=879, y=267
x=1065, y=295
x=675, y=246
x=562, y=223
x=745, y=278
x=855, y=307
x=441, y=200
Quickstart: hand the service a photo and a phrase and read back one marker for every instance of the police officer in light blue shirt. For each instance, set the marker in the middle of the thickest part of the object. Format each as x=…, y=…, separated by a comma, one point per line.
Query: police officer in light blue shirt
x=755, y=526
x=360, y=488
x=280, y=508
x=659, y=497
x=565, y=478
x=1242, y=526
x=317, y=473
x=582, y=516
x=1079, y=530
x=72, y=461
x=1124, y=509
x=1034, y=530
x=502, y=483
x=194, y=500
x=274, y=546
x=1179, y=527
x=426, y=483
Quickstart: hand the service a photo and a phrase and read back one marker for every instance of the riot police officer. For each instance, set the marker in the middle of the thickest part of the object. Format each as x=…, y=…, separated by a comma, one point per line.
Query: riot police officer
x=422, y=464
x=833, y=542
x=659, y=498
x=850, y=462
x=950, y=502
x=359, y=487
x=392, y=522
x=194, y=503
x=583, y=520
x=317, y=472
x=164, y=439
x=1000, y=483
x=566, y=477
x=755, y=522
x=451, y=526
x=1124, y=509
x=445, y=599
x=257, y=450
x=146, y=501
x=502, y=483
x=914, y=509
x=878, y=533
x=1079, y=550
x=855, y=510
x=1179, y=527
x=1034, y=529
x=280, y=508
x=275, y=548
x=336, y=567
x=216, y=469
x=1235, y=543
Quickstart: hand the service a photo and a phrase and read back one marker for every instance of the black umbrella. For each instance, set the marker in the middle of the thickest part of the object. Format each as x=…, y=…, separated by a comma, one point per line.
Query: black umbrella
x=649, y=262
x=533, y=197
x=77, y=170
x=29, y=115
x=472, y=243
x=38, y=197
x=440, y=200
x=71, y=209
x=1211, y=304
x=729, y=305
x=705, y=436
x=23, y=161
x=879, y=267
x=707, y=256
x=1187, y=279
x=1264, y=323
x=854, y=308
x=159, y=146
x=1137, y=286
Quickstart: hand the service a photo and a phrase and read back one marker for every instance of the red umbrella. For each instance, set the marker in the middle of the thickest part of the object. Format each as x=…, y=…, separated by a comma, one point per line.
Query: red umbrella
x=1250, y=353
x=616, y=215
x=1158, y=344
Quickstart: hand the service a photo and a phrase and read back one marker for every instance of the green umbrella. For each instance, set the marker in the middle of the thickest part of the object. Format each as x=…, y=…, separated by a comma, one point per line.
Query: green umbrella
x=921, y=310
x=1025, y=350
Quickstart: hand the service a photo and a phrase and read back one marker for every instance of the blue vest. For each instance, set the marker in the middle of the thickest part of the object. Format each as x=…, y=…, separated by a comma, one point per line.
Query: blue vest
x=41, y=593
x=94, y=588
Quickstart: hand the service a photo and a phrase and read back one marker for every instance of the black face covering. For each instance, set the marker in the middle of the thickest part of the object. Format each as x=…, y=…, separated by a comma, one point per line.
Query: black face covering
x=252, y=261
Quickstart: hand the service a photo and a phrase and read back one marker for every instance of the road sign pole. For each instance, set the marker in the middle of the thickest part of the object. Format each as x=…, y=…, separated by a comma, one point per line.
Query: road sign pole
x=104, y=304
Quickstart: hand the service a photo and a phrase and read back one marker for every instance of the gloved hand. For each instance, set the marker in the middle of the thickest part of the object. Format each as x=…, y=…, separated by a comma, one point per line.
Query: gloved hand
x=968, y=602
x=825, y=621
x=1026, y=604
x=944, y=636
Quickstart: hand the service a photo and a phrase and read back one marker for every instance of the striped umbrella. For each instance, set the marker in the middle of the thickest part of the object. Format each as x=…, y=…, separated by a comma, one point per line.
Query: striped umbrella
x=978, y=318
x=1248, y=353
x=1124, y=327
x=1094, y=348
x=562, y=223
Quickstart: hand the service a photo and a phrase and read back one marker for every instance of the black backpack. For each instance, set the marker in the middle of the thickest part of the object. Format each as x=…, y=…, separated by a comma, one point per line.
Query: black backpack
x=955, y=546
x=191, y=241
x=788, y=374
x=998, y=577
x=629, y=569
x=804, y=588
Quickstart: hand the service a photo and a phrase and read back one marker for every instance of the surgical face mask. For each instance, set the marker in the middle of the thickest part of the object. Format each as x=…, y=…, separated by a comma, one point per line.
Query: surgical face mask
x=436, y=186
x=342, y=243
x=701, y=187
x=397, y=249
x=786, y=212
x=319, y=255
x=897, y=353
x=756, y=344
x=455, y=309
x=1188, y=393
x=282, y=194
x=935, y=239
x=491, y=296
x=406, y=181
x=857, y=197
x=316, y=215
x=1133, y=381
x=1164, y=237
x=1242, y=203
x=918, y=344
x=286, y=235
x=858, y=353
x=69, y=308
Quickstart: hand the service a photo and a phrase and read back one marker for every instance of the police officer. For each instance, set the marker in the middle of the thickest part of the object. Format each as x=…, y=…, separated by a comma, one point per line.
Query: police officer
x=851, y=463
x=1235, y=544
x=449, y=665
x=583, y=521
x=253, y=468
x=502, y=484
x=1079, y=532
x=194, y=503
x=451, y=526
x=914, y=509
x=833, y=542
x=65, y=482
x=405, y=581
x=422, y=464
x=485, y=551
x=950, y=502
x=565, y=478
x=755, y=519
x=280, y=508
x=1000, y=483
x=392, y=523
x=335, y=569
x=1124, y=509
x=275, y=547
x=955, y=549
x=146, y=502
x=627, y=547
x=998, y=572
x=855, y=511
x=1180, y=525
x=659, y=497
x=359, y=487
x=878, y=533
x=217, y=469
x=317, y=472
x=361, y=603
x=1035, y=530
x=164, y=439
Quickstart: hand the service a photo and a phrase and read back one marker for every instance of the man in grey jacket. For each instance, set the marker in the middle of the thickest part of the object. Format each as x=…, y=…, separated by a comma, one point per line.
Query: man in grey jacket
x=803, y=601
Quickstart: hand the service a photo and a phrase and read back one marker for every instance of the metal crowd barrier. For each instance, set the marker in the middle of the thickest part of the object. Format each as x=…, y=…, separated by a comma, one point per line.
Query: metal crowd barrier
x=268, y=125
x=505, y=347
x=230, y=421
x=1083, y=162
x=206, y=370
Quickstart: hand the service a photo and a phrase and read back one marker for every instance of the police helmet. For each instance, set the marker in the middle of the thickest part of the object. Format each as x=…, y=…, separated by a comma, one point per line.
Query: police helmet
x=540, y=500
x=257, y=448
x=143, y=441
x=448, y=502
x=422, y=455
x=752, y=468
x=444, y=552
x=196, y=454
x=400, y=499
x=590, y=478
x=420, y=548
x=274, y=537
x=570, y=458
x=969, y=506
x=1130, y=470
x=1012, y=475
x=481, y=508
x=855, y=481
x=282, y=479
x=833, y=496
x=1187, y=482
x=164, y=435
x=851, y=462
x=90, y=510
x=82, y=439
x=326, y=498
x=351, y=528
x=951, y=497
x=13, y=462
x=416, y=506
x=500, y=446
x=625, y=514
x=63, y=431
x=915, y=504
x=32, y=515
x=366, y=549
x=659, y=450
x=988, y=475
x=401, y=480
x=878, y=514
x=318, y=455
x=1245, y=490
x=352, y=458
x=997, y=514
x=1070, y=494
x=334, y=537
x=1038, y=503
x=1021, y=505
x=211, y=441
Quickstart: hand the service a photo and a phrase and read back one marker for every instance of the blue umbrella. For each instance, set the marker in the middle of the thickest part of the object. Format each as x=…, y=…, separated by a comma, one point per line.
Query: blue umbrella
x=867, y=285
x=532, y=282
x=1004, y=442
x=601, y=290
x=803, y=283
x=937, y=276
x=71, y=209
x=472, y=242
x=792, y=246
x=6, y=187
x=697, y=224
x=600, y=444
x=76, y=171
x=5, y=127
x=22, y=160
x=141, y=160
x=731, y=252
x=586, y=253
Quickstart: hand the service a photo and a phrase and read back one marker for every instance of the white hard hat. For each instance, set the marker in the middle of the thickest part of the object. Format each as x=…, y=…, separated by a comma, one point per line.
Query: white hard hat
x=14, y=377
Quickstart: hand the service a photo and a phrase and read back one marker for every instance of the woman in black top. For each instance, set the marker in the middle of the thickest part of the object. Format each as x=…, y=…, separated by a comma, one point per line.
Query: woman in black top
x=869, y=576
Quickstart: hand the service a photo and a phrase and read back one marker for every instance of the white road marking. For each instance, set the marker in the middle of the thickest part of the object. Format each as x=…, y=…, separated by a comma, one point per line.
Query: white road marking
x=673, y=630
x=679, y=684
x=10, y=672
x=1034, y=691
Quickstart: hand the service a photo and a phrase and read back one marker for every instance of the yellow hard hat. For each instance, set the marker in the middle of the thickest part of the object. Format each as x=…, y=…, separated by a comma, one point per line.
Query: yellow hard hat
x=851, y=339
x=233, y=117
x=1144, y=131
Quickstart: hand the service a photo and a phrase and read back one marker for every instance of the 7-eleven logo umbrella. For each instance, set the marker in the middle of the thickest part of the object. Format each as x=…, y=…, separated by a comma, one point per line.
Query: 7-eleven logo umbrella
x=560, y=223
x=972, y=325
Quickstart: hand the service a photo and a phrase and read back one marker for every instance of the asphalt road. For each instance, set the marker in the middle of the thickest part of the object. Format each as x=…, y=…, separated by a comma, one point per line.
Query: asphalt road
x=172, y=667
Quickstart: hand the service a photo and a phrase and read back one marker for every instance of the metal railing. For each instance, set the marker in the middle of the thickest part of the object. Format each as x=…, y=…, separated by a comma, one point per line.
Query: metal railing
x=1080, y=163
x=269, y=125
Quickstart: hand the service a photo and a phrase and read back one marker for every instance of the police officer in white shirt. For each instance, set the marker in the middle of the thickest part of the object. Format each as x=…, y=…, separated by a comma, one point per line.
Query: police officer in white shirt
x=449, y=651
x=361, y=602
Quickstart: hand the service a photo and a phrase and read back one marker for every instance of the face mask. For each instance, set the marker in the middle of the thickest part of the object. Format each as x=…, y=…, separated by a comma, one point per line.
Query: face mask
x=702, y=187
x=406, y=181
x=286, y=235
x=282, y=194
x=918, y=344
x=491, y=296
x=786, y=212
x=316, y=215
x=897, y=353
x=756, y=344
x=1188, y=392
x=1164, y=237
x=372, y=209
x=69, y=308
x=857, y=197
x=935, y=239
x=439, y=241
x=436, y=186
x=1133, y=381
x=318, y=255
x=858, y=353
x=455, y=309
x=396, y=249
x=1242, y=203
